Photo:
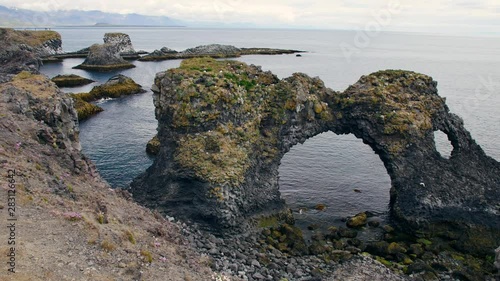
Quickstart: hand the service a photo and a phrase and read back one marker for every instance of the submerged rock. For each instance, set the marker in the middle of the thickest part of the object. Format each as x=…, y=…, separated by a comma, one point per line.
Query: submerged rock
x=358, y=220
x=224, y=127
x=105, y=57
x=71, y=80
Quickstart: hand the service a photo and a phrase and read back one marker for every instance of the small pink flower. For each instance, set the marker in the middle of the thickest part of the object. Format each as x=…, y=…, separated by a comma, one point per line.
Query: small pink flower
x=157, y=244
x=72, y=216
x=163, y=259
x=18, y=145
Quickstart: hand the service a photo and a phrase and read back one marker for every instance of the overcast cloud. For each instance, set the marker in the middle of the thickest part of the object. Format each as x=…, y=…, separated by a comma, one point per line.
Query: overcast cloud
x=449, y=16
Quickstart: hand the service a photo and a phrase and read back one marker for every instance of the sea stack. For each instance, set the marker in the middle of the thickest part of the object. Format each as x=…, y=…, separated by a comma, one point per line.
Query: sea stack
x=104, y=57
x=124, y=44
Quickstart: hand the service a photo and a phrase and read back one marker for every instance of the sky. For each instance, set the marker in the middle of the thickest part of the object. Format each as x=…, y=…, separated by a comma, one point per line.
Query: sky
x=442, y=16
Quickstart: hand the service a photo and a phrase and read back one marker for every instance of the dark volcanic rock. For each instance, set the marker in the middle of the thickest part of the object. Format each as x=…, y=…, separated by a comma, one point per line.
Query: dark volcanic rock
x=104, y=57
x=224, y=127
x=153, y=146
x=213, y=51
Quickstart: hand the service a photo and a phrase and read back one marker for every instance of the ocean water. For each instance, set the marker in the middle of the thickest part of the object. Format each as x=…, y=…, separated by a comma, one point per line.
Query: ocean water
x=327, y=168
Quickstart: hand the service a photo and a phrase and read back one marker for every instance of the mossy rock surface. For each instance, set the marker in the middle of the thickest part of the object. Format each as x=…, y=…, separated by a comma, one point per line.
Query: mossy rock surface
x=225, y=127
x=117, y=86
x=85, y=109
x=153, y=146
x=71, y=80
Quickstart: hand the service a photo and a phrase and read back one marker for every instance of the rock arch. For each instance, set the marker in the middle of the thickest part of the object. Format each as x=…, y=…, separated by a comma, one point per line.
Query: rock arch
x=224, y=126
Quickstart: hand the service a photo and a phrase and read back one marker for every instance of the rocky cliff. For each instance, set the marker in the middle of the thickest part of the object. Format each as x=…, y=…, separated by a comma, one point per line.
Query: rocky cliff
x=70, y=224
x=23, y=50
x=224, y=126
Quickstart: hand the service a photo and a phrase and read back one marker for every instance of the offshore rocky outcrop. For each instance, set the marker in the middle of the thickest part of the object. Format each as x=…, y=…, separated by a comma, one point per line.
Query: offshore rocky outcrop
x=213, y=51
x=104, y=57
x=124, y=44
x=224, y=126
x=120, y=40
x=70, y=80
x=116, y=87
x=24, y=50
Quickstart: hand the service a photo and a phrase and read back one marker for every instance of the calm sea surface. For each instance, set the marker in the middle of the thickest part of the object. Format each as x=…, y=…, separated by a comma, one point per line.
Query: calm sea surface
x=327, y=168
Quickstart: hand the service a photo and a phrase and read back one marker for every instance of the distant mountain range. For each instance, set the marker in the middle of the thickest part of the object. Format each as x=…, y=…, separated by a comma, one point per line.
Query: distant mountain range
x=12, y=17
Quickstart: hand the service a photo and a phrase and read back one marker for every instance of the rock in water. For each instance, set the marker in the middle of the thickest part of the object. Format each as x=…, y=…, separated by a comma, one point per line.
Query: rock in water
x=117, y=86
x=121, y=40
x=71, y=80
x=224, y=127
x=358, y=220
x=105, y=57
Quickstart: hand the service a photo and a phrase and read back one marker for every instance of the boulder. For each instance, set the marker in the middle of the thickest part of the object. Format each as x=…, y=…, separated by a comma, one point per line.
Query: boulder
x=121, y=40
x=358, y=220
x=116, y=86
x=71, y=80
x=105, y=57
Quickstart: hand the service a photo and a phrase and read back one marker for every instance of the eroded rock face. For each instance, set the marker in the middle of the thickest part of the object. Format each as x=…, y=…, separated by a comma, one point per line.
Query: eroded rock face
x=121, y=40
x=105, y=57
x=22, y=50
x=36, y=97
x=224, y=127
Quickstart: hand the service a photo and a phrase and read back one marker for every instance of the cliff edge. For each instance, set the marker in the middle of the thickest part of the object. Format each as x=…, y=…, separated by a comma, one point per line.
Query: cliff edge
x=65, y=223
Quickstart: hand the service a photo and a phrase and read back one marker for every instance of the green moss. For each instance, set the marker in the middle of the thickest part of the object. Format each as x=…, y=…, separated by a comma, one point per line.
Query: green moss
x=71, y=80
x=130, y=237
x=115, y=90
x=383, y=261
x=85, y=109
x=226, y=164
x=147, y=256
x=153, y=146
x=30, y=38
x=424, y=242
x=100, y=218
x=108, y=246
x=266, y=222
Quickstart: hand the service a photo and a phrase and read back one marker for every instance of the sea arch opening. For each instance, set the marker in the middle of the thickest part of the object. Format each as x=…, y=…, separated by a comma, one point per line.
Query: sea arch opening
x=330, y=177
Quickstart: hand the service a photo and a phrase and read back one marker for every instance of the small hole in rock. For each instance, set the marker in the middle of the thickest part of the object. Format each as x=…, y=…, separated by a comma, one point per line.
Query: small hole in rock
x=443, y=145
